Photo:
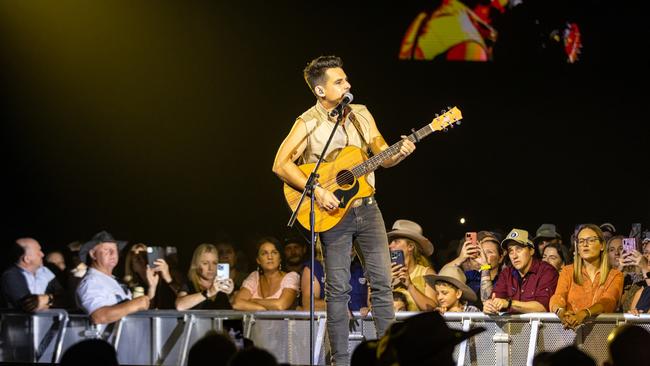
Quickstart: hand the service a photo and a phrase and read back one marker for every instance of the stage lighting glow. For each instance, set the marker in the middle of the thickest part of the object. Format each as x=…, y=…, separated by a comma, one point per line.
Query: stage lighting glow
x=462, y=220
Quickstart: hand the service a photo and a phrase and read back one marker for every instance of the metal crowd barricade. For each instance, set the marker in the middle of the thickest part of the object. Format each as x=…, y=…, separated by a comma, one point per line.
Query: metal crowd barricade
x=164, y=337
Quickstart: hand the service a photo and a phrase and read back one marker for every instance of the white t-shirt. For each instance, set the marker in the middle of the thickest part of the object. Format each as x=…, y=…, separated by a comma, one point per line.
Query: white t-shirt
x=97, y=290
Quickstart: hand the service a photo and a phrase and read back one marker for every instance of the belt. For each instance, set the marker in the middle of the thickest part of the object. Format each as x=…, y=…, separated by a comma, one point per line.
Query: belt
x=363, y=201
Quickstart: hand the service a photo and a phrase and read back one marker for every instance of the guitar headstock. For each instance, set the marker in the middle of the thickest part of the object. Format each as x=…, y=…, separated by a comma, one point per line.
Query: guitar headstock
x=448, y=119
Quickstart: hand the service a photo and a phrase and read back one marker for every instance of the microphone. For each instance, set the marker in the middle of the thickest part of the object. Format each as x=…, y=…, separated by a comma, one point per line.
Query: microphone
x=347, y=98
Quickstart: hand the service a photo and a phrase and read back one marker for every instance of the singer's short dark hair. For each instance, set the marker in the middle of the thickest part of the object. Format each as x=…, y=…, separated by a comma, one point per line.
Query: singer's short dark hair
x=314, y=72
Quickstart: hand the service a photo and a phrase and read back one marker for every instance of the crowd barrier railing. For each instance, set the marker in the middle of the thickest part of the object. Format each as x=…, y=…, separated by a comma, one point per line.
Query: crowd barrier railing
x=164, y=337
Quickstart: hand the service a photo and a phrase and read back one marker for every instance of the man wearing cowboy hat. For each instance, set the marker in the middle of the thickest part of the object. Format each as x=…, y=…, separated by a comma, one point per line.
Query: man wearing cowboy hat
x=545, y=235
x=99, y=294
x=407, y=237
x=527, y=284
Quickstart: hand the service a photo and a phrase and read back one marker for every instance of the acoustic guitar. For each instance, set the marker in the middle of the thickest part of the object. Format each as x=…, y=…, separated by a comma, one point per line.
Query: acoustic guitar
x=346, y=175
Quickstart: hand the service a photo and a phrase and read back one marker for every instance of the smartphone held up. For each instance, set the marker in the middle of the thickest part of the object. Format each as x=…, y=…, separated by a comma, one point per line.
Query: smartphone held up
x=153, y=254
x=397, y=257
x=629, y=245
x=472, y=238
x=223, y=271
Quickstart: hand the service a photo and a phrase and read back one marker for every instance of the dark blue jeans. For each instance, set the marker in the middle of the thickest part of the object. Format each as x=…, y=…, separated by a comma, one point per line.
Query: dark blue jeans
x=365, y=225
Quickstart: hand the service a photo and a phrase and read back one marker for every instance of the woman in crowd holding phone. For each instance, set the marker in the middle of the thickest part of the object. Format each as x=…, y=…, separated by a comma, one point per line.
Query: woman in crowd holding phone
x=625, y=256
x=204, y=289
x=589, y=286
x=482, y=256
x=135, y=276
x=268, y=288
x=640, y=303
x=408, y=277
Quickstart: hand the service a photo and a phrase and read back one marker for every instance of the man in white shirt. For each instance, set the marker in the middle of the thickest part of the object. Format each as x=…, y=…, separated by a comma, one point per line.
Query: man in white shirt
x=28, y=284
x=99, y=294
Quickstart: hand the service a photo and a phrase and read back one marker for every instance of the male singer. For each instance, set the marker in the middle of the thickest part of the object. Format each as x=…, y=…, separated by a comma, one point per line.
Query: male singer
x=363, y=223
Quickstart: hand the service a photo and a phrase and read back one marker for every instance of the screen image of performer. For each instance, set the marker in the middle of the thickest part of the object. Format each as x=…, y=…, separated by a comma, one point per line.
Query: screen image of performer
x=329, y=83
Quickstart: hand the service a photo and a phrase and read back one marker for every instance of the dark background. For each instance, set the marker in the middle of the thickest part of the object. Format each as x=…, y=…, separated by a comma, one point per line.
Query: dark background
x=159, y=121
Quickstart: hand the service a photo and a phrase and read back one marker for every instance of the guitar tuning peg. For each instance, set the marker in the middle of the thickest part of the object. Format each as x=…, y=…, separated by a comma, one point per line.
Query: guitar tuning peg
x=457, y=122
x=442, y=111
x=448, y=108
x=445, y=129
x=437, y=115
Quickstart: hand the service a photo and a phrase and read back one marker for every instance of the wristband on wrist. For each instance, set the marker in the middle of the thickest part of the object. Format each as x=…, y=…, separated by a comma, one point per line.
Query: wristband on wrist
x=50, y=299
x=486, y=267
x=588, y=312
x=509, y=303
x=205, y=294
x=557, y=311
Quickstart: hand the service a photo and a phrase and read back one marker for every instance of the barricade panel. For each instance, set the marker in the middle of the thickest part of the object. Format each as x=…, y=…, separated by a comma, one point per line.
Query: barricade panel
x=165, y=337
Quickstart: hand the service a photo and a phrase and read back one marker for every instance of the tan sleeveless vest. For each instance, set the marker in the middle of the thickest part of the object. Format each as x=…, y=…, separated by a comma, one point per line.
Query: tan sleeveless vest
x=319, y=128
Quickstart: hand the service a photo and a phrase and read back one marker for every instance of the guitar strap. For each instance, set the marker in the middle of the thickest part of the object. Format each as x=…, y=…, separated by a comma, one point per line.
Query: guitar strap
x=357, y=125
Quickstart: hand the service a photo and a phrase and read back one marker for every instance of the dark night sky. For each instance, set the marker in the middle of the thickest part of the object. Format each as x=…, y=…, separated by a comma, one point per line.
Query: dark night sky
x=159, y=122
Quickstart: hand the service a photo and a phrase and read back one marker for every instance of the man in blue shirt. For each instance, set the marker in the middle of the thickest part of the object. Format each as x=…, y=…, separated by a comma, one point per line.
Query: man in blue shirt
x=29, y=285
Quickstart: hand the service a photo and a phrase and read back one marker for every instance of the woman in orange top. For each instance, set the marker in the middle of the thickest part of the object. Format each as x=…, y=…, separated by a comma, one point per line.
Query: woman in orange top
x=588, y=287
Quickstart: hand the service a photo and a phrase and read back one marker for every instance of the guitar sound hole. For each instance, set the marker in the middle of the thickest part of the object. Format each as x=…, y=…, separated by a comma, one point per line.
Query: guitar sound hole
x=345, y=178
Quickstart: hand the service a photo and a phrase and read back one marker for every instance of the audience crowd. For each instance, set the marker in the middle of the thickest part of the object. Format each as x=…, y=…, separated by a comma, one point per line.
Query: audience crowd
x=595, y=270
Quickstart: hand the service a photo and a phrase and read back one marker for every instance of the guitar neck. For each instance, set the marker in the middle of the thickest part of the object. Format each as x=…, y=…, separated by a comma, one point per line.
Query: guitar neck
x=375, y=162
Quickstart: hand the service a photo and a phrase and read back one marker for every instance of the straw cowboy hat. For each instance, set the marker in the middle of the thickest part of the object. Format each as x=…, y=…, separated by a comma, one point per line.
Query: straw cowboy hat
x=411, y=230
x=455, y=276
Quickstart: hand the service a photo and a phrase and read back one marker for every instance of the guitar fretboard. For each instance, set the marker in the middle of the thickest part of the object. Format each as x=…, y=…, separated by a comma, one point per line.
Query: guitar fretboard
x=374, y=162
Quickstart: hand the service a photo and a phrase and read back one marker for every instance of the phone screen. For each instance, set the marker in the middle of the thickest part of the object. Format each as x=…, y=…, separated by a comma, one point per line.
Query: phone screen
x=397, y=256
x=629, y=245
x=223, y=271
x=471, y=236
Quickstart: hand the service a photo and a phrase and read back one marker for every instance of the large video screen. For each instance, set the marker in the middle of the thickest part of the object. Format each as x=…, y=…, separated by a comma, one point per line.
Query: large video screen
x=477, y=30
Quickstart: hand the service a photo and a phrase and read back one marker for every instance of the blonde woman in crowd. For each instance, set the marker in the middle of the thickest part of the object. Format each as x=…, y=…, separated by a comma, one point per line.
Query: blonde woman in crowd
x=203, y=289
x=589, y=286
x=407, y=237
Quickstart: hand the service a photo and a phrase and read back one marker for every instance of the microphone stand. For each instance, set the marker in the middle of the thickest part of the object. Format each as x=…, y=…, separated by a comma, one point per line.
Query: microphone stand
x=309, y=190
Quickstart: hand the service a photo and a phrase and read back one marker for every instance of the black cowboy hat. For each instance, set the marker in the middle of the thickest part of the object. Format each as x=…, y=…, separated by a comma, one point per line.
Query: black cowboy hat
x=100, y=237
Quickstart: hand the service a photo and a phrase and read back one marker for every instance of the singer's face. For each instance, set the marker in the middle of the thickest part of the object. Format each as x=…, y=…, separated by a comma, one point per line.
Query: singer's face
x=336, y=85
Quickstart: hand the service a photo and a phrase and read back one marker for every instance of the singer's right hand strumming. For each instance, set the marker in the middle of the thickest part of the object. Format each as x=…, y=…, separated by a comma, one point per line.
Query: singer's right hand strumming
x=326, y=199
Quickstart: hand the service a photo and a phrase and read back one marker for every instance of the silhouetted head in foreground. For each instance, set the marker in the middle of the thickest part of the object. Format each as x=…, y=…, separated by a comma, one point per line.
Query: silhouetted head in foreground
x=94, y=352
x=214, y=349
